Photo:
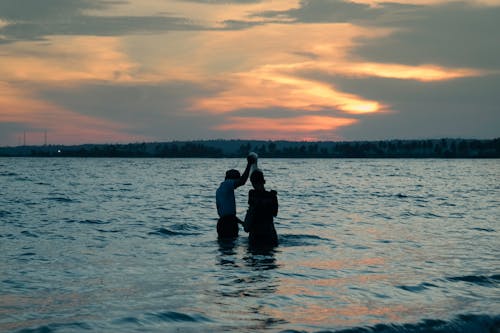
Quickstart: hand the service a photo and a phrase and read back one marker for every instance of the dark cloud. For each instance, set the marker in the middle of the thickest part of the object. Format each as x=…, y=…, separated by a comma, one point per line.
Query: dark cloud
x=157, y=111
x=224, y=2
x=95, y=26
x=454, y=34
x=239, y=25
x=462, y=108
x=35, y=10
x=321, y=11
x=34, y=19
x=427, y=120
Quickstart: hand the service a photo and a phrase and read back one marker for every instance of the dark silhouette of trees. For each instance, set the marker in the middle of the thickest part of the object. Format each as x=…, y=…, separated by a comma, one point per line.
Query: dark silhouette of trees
x=442, y=148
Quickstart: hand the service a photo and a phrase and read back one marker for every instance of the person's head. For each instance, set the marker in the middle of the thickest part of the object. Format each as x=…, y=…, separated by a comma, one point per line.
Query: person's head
x=257, y=179
x=232, y=174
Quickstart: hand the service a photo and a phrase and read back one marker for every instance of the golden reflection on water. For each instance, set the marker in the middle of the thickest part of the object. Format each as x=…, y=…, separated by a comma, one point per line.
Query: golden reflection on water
x=318, y=311
x=298, y=287
x=348, y=315
x=43, y=305
x=342, y=264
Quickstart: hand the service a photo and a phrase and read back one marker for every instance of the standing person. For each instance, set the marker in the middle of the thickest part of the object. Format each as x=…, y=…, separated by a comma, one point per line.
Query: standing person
x=262, y=208
x=227, y=225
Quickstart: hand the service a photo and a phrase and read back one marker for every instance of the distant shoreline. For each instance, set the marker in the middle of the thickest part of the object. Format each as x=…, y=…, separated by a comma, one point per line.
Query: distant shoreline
x=433, y=148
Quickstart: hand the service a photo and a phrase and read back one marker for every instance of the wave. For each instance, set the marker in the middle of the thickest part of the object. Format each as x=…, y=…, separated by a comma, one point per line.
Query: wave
x=300, y=240
x=57, y=327
x=8, y=174
x=418, y=288
x=461, y=324
x=61, y=199
x=483, y=229
x=379, y=194
x=172, y=316
x=4, y=213
x=492, y=280
x=113, y=231
x=467, y=323
x=167, y=232
x=166, y=316
x=27, y=254
x=29, y=234
x=93, y=222
x=484, y=281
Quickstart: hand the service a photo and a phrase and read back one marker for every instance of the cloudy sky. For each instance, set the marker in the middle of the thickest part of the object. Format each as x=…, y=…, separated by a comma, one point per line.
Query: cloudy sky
x=106, y=71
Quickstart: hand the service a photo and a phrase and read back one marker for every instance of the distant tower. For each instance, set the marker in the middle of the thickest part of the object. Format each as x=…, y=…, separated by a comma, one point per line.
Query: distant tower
x=45, y=138
x=24, y=138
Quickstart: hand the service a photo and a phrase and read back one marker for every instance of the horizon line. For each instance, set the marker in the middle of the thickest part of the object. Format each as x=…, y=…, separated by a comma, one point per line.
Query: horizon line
x=248, y=140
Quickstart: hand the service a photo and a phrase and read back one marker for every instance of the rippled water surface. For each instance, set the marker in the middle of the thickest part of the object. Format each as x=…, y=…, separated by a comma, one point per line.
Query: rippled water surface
x=129, y=245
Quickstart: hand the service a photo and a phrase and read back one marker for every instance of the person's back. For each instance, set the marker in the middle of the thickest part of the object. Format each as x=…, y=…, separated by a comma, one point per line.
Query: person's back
x=227, y=225
x=224, y=198
x=263, y=207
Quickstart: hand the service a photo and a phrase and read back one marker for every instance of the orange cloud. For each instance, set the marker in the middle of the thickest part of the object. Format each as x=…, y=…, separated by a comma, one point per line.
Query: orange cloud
x=424, y=73
x=256, y=68
x=259, y=68
x=218, y=55
x=263, y=67
x=67, y=59
x=272, y=128
x=264, y=88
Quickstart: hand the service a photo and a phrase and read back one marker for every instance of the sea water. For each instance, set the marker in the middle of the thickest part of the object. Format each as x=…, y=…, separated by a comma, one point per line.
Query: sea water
x=129, y=245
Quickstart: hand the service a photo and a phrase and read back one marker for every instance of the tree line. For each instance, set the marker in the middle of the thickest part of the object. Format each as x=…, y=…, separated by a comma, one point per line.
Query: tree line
x=442, y=148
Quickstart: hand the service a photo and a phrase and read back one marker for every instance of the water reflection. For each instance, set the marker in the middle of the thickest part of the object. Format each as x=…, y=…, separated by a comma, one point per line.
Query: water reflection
x=259, y=280
x=245, y=269
x=260, y=258
x=247, y=283
x=227, y=251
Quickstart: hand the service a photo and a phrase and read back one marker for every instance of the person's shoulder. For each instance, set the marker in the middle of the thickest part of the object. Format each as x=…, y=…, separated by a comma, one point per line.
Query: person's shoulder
x=229, y=182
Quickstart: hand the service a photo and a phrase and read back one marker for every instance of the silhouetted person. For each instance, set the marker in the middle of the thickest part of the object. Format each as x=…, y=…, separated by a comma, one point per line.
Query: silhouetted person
x=262, y=208
x=227, y=225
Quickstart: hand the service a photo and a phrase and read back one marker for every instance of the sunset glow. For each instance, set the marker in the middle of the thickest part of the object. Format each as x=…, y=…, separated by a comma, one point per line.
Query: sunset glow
x=298, y=124
x=264, y=89
x=348, y=315
x=424, y=73
x=17, y=106
x=241, y=69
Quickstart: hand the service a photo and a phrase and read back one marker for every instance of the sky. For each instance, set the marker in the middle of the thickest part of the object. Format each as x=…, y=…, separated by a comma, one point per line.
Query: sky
x=119, y=71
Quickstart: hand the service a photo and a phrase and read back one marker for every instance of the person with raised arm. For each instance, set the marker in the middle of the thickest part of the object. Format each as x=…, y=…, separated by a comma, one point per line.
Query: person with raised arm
x=227, y=225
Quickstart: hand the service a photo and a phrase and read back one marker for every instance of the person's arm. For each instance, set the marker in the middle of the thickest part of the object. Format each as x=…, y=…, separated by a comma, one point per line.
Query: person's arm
x=275, y=202
x=247, y=224
x=244, y=177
